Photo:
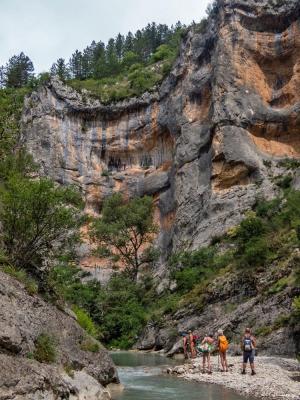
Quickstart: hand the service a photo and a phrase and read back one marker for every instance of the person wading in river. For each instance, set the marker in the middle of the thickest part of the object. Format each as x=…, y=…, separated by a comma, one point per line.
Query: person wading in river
x=223, y=347
x=207, y=345
x=248, y=346
x=191, y=341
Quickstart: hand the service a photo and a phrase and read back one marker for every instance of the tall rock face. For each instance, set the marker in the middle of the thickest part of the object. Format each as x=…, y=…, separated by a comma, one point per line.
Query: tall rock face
x=205, y=144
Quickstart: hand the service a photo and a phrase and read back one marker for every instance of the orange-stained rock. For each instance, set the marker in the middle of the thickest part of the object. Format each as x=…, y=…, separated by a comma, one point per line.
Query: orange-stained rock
x=200, y=142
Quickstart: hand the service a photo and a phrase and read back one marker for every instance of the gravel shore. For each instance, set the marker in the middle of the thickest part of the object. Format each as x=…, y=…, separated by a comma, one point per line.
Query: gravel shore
x=275, y=378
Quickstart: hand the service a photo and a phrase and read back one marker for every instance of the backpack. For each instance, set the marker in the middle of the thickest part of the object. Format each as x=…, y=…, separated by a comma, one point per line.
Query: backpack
x=247, y=344
x=205, y=347
x=223, y=343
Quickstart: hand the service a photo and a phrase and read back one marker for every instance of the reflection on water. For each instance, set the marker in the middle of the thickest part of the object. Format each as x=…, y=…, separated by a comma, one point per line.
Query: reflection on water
x=141, y=374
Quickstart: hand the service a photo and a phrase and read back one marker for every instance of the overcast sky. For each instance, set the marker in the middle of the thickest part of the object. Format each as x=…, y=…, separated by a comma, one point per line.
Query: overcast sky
x=48, y=29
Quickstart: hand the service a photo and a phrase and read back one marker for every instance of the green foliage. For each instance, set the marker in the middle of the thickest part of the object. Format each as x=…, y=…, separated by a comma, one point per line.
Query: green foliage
x=120, y=313
x=85, y=321
x=142, y=79
x=267, y=209
x=281, y=321
x=289, y=163
x=280, y=285
x=125, y=229
x=11, y=105
x=30, y=284
x=267, y=163
x=264, y=330
x=35, y=214
x=60, y=69
x=191, y=268
x=90, y=345
x=256, y=252
x=250, y=228
x=45, y=349
x=284, y=182
x=296, y=311
x=163, y=52
x=18, y=71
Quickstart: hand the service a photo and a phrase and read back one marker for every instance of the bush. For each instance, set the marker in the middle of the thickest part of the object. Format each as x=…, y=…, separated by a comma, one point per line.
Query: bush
x=267, y=209
x=263, y=330
x=289, y=163
x=251, y=227
x=90, y=345
x=284, y=182
x=85, y=321
x=142, y=80
x=45, y=351
x=162, y=52
x=256, y=252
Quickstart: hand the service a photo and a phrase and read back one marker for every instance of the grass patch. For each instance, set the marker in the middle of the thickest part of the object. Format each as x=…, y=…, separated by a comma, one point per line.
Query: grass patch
x=263, y=331
x=280, y=285
x=45, y=349
x=20, y=275
x=88, y=344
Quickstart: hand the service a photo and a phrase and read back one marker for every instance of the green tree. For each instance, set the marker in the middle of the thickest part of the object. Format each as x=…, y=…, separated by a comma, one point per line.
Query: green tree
x=75, y=64
x=11, y=104
x=112, y=58
x=126, y=229
x=60, y=69
x=37, y=220
x=120, y=312
x=18, y=71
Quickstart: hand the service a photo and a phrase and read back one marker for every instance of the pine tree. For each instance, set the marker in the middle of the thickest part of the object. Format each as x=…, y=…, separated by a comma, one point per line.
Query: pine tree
x=19, y=70
x=99, y=61
x=119, y=43
x=111, y=58
x=128, y=44
x=60, y=69
x=2, y=77
x=75, y=65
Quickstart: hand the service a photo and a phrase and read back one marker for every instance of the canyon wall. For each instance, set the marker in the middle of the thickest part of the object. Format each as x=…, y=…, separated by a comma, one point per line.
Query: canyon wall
x=205, y=144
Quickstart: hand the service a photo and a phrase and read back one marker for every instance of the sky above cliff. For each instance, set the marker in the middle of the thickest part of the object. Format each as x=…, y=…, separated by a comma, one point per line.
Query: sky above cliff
x=48, y=29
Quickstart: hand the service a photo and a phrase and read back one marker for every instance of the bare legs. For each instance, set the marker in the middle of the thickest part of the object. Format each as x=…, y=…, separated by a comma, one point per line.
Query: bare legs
x=206, y=358
x=224, y=361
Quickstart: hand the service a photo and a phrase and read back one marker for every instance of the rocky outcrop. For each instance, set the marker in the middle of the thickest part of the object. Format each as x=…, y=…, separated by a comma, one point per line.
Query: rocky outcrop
x=232, y=302
x=202, y=142
x=22, y=319
x=22, y=378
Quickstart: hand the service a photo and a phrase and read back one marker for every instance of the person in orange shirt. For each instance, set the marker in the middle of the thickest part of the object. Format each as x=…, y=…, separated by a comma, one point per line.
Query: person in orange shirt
x=222, y=347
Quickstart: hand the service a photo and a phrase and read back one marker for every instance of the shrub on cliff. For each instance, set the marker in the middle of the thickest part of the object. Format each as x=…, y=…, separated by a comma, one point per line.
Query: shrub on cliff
x=45, y=349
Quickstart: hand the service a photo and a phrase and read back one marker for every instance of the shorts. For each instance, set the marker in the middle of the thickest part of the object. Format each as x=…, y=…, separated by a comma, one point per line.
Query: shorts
x=248, y=355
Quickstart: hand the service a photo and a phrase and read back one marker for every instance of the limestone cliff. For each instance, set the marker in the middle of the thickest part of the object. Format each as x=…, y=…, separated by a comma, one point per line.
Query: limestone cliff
x=205, y=144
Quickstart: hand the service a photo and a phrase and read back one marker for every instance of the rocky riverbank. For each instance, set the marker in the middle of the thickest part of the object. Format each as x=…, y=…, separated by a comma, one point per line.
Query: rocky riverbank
x=78, y=371
x=276, y=378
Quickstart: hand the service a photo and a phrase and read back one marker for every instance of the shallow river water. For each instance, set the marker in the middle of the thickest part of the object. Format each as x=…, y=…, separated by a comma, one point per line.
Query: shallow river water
x=142, y=377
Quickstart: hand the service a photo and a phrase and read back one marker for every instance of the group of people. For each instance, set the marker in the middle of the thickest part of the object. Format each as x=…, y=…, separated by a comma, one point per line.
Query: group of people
x=194, y=346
